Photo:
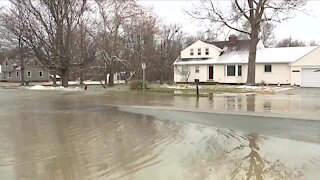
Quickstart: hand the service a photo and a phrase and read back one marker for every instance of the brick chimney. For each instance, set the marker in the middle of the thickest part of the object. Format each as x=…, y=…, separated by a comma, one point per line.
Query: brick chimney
x=233, y=39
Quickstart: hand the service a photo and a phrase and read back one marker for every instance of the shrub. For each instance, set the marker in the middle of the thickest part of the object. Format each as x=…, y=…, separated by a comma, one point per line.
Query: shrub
x=135, y=84
x=262, y=83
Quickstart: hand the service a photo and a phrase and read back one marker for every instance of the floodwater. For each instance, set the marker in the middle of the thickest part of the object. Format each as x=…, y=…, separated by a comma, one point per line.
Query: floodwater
x=85, y=135
x=297, y=103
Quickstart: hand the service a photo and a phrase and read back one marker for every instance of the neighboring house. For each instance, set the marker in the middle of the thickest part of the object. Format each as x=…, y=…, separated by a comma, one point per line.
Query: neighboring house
x=34, y=72
x=226, y=62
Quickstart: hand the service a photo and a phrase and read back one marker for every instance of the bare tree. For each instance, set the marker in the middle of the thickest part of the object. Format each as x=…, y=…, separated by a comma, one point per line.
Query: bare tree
x=140, y=41
x=184, y=72
x=255, y=12
x=266, y=35
x=158, y=45
x=84, y=52
x=169, y=47
x=208, y=35
x=314, y=43
x=14, y=29
x=50, y=31
x=290, y=42
x=112, y=17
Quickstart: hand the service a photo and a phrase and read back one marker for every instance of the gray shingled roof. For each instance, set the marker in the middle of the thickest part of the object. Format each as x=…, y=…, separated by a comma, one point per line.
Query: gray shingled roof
x=232, y=46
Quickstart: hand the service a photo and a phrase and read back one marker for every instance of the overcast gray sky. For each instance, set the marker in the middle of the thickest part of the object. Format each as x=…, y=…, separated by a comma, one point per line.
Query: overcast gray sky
x=302, y=26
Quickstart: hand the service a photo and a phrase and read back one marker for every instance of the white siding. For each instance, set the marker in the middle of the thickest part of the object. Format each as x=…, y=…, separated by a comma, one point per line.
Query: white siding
x=280, y=74
x=311, y=60
x=295, y=76
x=220, y=74
x=213, y=50
x=296, y=73
x=202, y=75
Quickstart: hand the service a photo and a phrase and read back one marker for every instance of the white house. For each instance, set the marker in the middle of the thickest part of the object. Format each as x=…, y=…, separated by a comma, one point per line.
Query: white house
x=226, y=62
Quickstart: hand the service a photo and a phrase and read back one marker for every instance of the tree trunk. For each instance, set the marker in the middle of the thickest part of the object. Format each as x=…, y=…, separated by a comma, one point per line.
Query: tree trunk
x=54, y=80
x=105, y=77
x=81, y=76
x=65, y=77
x=111, y=79
x=22, y=64
x=22, y=75
x=251, y=78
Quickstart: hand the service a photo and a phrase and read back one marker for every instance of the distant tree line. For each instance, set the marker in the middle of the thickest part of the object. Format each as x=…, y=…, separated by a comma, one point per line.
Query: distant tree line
x=71, y=38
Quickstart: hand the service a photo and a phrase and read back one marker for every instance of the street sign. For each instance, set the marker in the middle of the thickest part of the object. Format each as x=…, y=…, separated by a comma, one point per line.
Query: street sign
x=144, y=65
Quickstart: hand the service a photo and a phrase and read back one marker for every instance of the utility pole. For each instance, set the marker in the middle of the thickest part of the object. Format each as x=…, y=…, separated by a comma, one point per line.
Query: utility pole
x=144, y=76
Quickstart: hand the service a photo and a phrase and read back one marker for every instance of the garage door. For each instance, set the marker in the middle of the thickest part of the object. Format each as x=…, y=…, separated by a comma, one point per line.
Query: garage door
x=310, y=77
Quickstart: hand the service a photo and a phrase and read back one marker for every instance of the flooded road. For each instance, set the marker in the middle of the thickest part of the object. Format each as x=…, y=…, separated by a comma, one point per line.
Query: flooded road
x=83, y=135
x=297, y=103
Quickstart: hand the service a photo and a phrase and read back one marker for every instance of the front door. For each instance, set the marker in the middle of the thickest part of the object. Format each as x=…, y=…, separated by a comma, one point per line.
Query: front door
x=210, y=72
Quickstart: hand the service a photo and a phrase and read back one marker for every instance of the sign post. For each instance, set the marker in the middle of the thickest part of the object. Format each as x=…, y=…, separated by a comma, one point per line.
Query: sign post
x=197, y=86
x=144, y=66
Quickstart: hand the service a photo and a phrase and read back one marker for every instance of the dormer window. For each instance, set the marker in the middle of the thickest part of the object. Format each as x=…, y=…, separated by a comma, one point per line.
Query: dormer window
x=199, y=51
x=191, y=52
x=207, y=51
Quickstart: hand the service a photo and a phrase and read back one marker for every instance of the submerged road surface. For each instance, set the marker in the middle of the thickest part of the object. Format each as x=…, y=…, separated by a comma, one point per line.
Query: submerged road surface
x=87, y=135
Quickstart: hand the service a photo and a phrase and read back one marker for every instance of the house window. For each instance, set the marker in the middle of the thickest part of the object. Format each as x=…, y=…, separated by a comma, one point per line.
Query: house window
x=239, y=70
x=267, y=68
x=29, y=74
x=185, y=70
x=36, y=63
x=196, y=69
x=199, y=51
x=207, y=51
x=6, y=63
x=17, y=74
x=231, y=70
x=191, y=52
x=41, y=73
x=10, y=75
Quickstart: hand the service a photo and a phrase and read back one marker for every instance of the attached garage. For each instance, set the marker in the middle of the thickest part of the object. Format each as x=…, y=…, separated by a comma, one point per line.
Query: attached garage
x=305, y=71
x=310, y=77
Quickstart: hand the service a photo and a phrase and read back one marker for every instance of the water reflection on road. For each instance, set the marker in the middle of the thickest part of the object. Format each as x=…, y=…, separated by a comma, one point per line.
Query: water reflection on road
x=68, y=136
x=300, y=105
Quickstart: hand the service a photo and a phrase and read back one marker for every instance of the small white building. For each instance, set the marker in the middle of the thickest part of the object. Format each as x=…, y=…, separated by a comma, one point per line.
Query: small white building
x=226, y=62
